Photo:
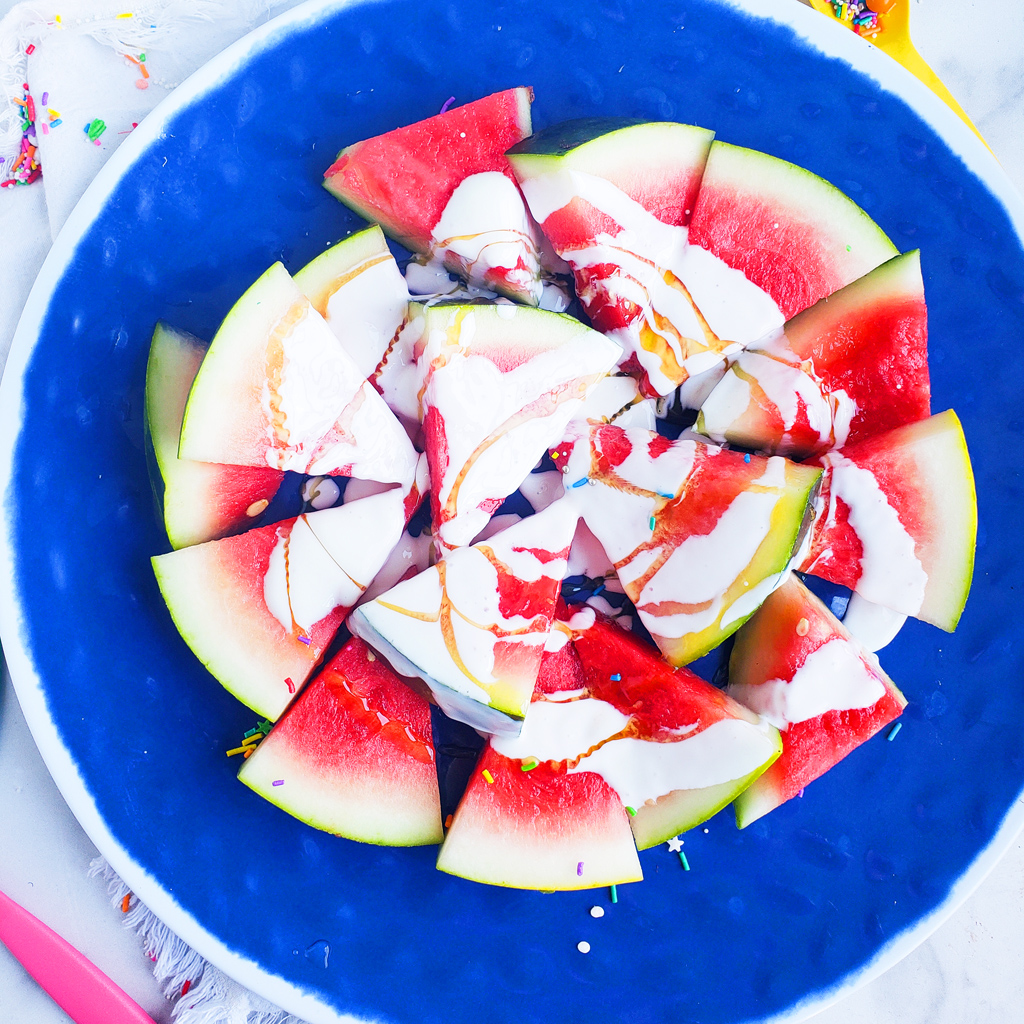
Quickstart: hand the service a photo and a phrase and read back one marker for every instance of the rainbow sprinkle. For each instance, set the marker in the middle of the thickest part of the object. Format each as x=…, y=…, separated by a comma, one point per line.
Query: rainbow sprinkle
x=529, y=765
x=579, y=869
x=631, y=812
x=856, y=15
x=684, y=861
x=488, y=777
x=613, y=892
x=892, y=732
x=94, y=129
x=25, y=167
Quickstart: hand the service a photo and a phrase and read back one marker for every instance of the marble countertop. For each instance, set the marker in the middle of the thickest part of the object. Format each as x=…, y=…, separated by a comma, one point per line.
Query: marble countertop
x=971, y=970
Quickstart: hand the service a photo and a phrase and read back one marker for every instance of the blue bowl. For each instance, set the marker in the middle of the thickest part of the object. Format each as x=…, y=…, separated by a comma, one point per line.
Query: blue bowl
x=222, y=180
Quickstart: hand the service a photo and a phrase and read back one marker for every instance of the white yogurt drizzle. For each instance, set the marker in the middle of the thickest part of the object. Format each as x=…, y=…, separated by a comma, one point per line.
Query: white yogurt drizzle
x=485, y=227
x=564, y=727
x=891, y=574
x=834, y=677
x=644, y=251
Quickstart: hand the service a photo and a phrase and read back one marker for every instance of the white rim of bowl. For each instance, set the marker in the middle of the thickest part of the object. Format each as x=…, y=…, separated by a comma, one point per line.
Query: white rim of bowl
x=811, y=28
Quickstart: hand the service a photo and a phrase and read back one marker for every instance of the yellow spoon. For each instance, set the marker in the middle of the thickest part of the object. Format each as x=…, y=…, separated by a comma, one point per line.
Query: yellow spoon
x=886, y=23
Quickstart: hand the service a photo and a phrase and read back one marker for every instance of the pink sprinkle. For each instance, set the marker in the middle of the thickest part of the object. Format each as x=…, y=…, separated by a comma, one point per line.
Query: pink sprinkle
x=141, y=83
x=45, y=127
x=278, y=782
x=290, y=684
x=30, y=49
x=579, y=868
x=447, y=103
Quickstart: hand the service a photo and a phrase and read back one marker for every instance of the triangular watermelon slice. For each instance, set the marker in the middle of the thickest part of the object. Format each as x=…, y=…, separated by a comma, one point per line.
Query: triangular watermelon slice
x=201, y=501
x=899, y=519
x=699, y=536
x=443, y=187
x=788, y=231
x=278, y=389
x=502, y=382
x=619, y=221
x=541, y=828
x=259, y=609
x=357, y=288
x=852, y=365
x=354, y=755
x=473, y=626
x=796, y=664
x=684, y=750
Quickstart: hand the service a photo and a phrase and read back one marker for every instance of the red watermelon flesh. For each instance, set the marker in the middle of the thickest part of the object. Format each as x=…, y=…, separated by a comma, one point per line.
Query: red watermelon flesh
x=201, y=501
x=542, y=828
x=796, y=664
x=790, y=232
x=354, y=755
x=852, y=365
x=667, y=705
x=698, y=535
x=405, y=180
x=898, y=520
x=620, y=222
x=259, y=609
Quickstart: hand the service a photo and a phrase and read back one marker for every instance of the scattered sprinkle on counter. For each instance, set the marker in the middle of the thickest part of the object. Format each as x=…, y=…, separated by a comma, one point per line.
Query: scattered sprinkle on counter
x=583, y=947
x=613, y=892
x=684, y=861
x=597, y=911
x=892, y=732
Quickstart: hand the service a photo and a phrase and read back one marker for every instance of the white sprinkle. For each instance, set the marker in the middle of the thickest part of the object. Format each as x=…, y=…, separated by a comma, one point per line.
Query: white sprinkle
x=597, y=911
x=583, y=947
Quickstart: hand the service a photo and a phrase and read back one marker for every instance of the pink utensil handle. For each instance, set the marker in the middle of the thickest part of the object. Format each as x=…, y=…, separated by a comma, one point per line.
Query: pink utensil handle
x=75, y=984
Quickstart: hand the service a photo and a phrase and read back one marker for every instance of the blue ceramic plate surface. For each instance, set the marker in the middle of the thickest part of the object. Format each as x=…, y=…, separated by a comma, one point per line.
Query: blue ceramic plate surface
x=224, y=179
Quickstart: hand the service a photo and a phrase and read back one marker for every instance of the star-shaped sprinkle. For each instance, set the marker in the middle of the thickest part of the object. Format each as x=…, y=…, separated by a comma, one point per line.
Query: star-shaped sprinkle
x=675, y=845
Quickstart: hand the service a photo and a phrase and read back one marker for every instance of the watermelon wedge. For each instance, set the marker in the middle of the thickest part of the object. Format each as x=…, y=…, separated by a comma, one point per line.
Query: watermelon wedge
x=543, y=828
x=619, y=221
x=353, y=755
x=473, y=626
x=683, y=749
x=852, y=365
x=789, y=232
x=699, y=536
x=443, y=187
x=502, y=382
x=357, y=288
x=259, y=609
x=796, y=664
x=278, y=389
x=201, y=501
x=899, y=519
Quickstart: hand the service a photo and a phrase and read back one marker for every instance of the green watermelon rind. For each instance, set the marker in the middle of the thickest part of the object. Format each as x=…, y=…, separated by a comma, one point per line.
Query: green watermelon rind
x=605, y=146
x=362, y=816
x=209, y=622
x=190, y=495
x=771, y=559
x=235, y=367
x=856, y=243
x=318, y=278
x=762, y=796
x=899, y=277
x=683, y=809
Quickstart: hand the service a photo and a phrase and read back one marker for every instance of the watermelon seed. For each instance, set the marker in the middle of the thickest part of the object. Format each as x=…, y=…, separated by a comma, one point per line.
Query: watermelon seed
x=597, y=911
x=583, y=947
x=892, y=732
x=803, y=627
x=256, y=508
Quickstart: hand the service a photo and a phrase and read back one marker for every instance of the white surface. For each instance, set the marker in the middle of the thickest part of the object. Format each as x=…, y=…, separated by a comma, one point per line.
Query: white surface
x=969, y=972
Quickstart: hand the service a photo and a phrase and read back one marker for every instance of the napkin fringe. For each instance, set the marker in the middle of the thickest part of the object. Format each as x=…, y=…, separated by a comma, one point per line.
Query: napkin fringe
x=201, y=993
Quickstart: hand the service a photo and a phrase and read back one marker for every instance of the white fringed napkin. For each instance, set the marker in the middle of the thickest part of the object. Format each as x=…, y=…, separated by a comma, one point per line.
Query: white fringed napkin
x=201, y=994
